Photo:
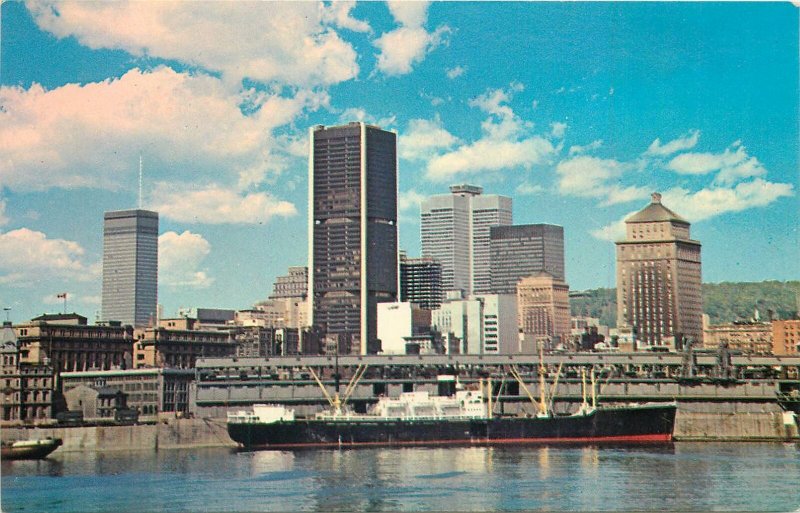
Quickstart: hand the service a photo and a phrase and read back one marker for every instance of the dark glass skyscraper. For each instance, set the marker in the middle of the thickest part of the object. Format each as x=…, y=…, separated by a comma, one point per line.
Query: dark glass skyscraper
x=519, y=251
x=130, y=267
x=352, y=230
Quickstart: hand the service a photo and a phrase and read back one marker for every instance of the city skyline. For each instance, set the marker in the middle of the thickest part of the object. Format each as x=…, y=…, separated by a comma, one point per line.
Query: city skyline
x=568, y=116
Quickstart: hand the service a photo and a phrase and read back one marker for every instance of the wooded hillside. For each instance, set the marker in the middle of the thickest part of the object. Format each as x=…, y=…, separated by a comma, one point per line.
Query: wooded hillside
x=723, y=302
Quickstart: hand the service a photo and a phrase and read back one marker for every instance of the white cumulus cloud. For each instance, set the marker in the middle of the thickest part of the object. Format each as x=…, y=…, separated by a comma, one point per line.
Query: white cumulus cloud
x=92, y=135
x=713, y=201
x=358, y=114
x=557, y=129
x=408, y=44
x=188, y=127
x=180, y=257
x=506, y=141
x=529, y=189
x=424, y=138
x=733, y=164
x=409, y=200
x=286, y=42
x=577, y=149
x=29, y=257
x=680, y=144
x=593, y=177
x=338, y=13
x=455, y=72
x=614, y=231
x=214, y=204
x=709, y=202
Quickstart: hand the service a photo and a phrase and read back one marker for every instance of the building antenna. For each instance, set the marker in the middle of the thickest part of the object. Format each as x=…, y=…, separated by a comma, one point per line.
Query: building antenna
x=140, y=181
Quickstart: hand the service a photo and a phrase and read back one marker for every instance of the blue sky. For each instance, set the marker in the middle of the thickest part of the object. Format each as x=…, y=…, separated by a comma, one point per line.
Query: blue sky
x=576, y=110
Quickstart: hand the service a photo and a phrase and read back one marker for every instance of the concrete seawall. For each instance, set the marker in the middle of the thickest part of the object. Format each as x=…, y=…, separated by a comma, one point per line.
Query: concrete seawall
x=172, y=434
x=741, y=426
x=724, y=424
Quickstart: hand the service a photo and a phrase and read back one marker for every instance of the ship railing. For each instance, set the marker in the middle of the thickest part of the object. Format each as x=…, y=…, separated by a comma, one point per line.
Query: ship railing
x=235, y=418
x=373, y=418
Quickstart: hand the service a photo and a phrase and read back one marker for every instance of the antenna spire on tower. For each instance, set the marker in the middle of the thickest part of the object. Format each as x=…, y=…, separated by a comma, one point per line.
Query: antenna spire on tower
x=140, y=181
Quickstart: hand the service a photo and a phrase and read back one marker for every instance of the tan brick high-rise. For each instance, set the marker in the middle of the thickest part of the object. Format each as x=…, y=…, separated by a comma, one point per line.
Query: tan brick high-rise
x=658, y=278
x=543, y=311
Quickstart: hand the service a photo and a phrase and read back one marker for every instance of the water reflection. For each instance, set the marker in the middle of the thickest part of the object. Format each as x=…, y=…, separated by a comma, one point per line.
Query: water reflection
x=755, y=477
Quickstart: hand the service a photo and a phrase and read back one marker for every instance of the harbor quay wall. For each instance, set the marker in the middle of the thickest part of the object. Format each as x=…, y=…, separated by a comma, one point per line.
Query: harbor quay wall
x=694, y=422
x=166, y=434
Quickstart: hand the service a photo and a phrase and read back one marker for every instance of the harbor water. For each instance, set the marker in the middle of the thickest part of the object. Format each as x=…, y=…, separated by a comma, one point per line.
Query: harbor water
x=679, y=477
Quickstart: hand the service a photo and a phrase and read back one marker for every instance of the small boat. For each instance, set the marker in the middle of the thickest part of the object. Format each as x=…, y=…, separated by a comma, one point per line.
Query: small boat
x=29, y=449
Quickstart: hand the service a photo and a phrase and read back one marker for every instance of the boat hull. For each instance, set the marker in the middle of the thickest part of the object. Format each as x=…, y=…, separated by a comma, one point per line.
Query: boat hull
x=638, y=424
x=31, y=450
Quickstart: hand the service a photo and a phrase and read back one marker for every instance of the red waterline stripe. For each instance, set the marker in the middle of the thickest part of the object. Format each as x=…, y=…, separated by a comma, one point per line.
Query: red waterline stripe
x=484, y=441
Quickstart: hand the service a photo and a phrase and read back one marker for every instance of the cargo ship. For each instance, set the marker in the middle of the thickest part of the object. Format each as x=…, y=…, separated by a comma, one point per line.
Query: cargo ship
x=465, y=418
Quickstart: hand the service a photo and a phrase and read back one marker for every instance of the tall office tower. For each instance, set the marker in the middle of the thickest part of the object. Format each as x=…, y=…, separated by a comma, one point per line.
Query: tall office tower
x=352, y=231
x=421, y=282
x=487, y=212
x=455, y=231
x=659, y=292
x=130, y=267
x=293, y=285
x=543, y=311
x=524, y=250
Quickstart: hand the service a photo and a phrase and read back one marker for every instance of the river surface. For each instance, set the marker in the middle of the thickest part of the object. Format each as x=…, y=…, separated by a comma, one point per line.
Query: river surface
x=680, y=477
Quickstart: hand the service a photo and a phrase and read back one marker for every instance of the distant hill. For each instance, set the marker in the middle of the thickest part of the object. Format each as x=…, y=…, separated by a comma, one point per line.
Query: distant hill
x=600, y=303
x=723, y=302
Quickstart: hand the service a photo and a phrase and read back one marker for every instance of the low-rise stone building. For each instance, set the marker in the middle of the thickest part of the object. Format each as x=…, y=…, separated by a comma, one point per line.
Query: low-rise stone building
x=179, y=348
x=150, y=391
x=95, y=402
x=26, y=389
x=68, y=343
x=750, y=337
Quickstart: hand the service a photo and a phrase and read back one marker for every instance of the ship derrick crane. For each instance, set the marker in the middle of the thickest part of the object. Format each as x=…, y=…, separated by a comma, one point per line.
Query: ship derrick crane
x=336, y=402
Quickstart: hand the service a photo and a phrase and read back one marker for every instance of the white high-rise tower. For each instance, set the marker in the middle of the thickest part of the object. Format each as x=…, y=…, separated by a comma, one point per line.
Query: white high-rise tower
x=455, y=230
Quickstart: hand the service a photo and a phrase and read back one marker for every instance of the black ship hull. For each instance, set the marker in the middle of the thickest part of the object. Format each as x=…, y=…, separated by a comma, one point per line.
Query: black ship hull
x=635, y=424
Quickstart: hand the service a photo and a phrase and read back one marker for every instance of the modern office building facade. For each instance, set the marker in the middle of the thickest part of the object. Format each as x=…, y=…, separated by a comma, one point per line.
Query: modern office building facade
x=461, y=319
x=455, y=230
x=352, y=231
x=398, y=322
x=421, y=282
x=130, y=267
x=499, y=323
x=659, y=281
x=524, y=250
